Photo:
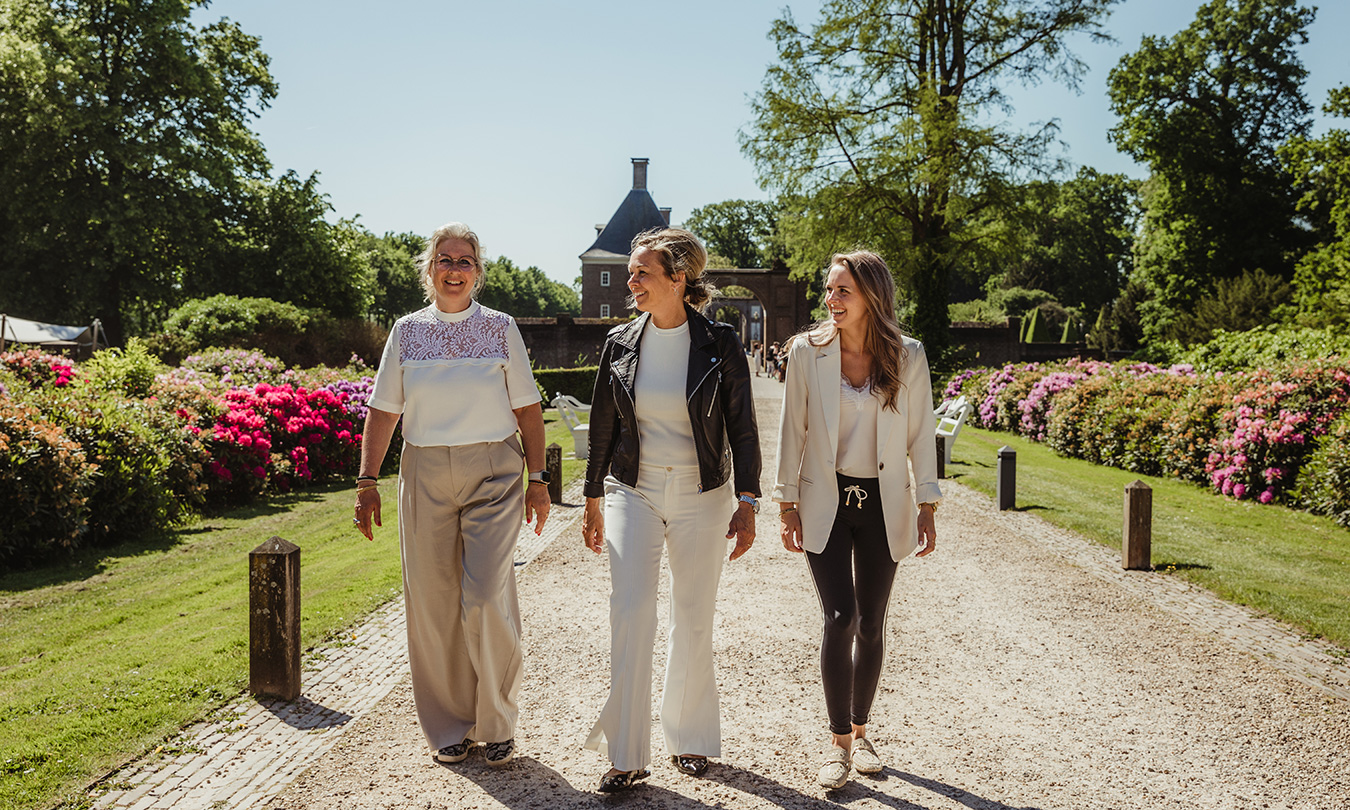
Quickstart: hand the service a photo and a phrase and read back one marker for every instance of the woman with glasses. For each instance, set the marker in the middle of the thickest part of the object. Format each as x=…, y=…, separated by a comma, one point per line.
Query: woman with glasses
x=858, y=401
x=458, y=374
x=674, y=448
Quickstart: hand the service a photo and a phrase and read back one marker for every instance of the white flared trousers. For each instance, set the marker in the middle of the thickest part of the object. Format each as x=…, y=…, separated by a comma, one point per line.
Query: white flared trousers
x=665, y=509
x=460, y=510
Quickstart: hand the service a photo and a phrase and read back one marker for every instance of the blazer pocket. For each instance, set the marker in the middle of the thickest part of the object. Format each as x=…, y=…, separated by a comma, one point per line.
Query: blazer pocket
x=801, y=479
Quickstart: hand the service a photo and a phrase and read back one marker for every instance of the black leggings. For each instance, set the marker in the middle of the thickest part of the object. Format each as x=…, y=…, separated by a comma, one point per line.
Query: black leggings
x=853, y=577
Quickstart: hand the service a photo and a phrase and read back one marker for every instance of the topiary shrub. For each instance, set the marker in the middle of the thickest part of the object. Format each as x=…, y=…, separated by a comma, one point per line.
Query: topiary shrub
x=1324, y=487
x=43, y=480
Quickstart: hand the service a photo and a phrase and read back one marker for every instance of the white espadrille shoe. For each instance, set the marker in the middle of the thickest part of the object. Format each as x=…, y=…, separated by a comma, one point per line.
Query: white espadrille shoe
x=834, y=773
x=865, y=759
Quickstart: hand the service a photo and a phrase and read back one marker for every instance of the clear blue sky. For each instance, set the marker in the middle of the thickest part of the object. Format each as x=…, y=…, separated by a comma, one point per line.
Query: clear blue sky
x=519, y=116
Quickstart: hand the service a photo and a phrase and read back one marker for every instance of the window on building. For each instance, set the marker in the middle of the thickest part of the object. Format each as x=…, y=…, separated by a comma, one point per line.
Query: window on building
x=604, y=308
x=604, y=278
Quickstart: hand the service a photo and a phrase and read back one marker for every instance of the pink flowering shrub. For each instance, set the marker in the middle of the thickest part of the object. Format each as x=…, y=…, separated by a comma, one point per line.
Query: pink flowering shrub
x=1268, y=433
x=39, y=369
x=1246, y=434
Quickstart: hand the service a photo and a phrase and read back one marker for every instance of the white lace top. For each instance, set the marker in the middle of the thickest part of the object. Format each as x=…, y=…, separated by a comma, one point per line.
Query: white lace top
x=455, y=376
x=858, y=411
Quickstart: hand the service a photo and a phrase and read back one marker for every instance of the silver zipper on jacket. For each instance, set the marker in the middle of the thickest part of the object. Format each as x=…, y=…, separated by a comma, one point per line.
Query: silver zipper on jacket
x=713, y=403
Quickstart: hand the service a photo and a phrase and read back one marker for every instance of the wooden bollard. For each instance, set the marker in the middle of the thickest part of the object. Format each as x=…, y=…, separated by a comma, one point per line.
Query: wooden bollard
x=274, y=619
x=553, y=463
x=942, y=456
x=1006, y=487
x=1136, y=542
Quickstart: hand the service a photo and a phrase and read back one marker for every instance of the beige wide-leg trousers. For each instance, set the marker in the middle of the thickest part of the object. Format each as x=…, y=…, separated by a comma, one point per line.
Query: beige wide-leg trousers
x=664, y=510
x=460, y=509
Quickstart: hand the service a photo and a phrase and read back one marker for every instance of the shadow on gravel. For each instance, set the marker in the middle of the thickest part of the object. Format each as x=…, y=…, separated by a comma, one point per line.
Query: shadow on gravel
x=792, y=799
x=952, y=792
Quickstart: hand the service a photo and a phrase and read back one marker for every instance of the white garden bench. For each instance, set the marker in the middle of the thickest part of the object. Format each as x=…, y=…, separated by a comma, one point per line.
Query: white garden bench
x=949, y=424
x=570, y=409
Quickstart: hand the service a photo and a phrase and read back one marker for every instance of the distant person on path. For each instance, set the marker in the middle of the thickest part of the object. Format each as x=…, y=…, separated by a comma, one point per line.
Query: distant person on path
x=858, y=401
x=672, y=395
x=459, y=375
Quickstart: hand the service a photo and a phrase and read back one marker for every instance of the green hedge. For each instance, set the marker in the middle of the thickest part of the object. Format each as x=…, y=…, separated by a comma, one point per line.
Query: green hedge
x=577, y=382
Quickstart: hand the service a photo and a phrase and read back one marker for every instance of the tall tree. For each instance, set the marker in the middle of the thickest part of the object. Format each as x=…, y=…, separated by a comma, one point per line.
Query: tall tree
x=745, y=232
x=397, y=282
x=1072, y=239
x=124, y=135
x=875, y=112
x=1321, y=167
x=279, y=244
x=1207, y=110
x=526, y=293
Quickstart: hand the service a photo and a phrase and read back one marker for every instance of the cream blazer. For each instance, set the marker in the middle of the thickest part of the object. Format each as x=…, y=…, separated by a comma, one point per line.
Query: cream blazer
x=808, y=441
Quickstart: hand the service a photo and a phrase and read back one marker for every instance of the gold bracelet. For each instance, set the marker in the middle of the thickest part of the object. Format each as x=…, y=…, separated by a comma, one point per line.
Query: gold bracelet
x=787, y=509
x=929, y=503
x=363, y=489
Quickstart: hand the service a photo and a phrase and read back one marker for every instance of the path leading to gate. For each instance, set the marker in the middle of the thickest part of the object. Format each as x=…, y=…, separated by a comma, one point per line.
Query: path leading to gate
x=1025, y=670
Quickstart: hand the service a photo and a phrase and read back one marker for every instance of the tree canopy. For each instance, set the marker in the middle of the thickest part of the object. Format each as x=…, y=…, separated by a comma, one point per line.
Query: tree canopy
x=744, y=232
x=526, y=293
x=869, y=126
x=1207, y=109
x=124, y=139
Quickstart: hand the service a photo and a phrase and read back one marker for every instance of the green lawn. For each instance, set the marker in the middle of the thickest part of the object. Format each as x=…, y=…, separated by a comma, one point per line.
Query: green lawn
x=1289, y=564
x=104, y=657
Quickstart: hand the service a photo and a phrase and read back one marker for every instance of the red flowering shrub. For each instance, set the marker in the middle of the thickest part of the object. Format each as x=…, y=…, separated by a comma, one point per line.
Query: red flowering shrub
x=281, y=437
x=43, y=478
x=38, y=368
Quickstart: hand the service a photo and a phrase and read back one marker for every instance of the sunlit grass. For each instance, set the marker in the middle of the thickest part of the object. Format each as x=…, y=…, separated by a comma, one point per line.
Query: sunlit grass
x=1289, y=564
x=104, y=657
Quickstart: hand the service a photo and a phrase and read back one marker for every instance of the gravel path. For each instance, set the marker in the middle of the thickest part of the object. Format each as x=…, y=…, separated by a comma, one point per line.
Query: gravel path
x=1015, y=680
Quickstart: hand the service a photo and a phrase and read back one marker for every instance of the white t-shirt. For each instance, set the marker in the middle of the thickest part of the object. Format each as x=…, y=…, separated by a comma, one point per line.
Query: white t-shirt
x=455, y=376
x=858, y=412
x=665, y=435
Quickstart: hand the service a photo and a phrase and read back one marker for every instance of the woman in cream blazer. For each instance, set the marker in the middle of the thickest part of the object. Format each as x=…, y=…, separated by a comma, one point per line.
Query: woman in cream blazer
x=858, y=402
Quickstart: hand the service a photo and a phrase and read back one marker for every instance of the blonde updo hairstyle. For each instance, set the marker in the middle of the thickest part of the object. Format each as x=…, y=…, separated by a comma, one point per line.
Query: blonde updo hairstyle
x=681, y=252
x=426, y=260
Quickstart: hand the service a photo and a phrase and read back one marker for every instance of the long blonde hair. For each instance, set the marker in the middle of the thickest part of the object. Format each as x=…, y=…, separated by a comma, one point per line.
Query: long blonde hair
x=883, y=338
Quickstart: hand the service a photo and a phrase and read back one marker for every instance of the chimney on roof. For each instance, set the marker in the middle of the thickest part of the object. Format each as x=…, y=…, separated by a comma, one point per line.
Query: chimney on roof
x=639, y=174
x=665, y=214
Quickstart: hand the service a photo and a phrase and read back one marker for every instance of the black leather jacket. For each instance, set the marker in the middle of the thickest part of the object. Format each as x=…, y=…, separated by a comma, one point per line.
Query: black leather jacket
x=721, y=408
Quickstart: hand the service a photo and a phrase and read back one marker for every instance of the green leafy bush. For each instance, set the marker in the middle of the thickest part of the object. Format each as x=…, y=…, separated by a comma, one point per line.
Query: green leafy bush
x=43, y=479
x=141, y=455
x=1264, y=347
x=131, y=370
x=1324, y=487
x=227, y=320
x=299, y=337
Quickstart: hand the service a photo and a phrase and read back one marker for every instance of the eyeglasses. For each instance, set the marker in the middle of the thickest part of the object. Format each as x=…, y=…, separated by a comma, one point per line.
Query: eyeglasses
x=451, y=263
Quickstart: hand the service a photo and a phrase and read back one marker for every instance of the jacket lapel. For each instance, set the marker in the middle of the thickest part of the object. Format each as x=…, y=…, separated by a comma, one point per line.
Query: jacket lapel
x=702, y=351
x=828, y=370
x=624, y=366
